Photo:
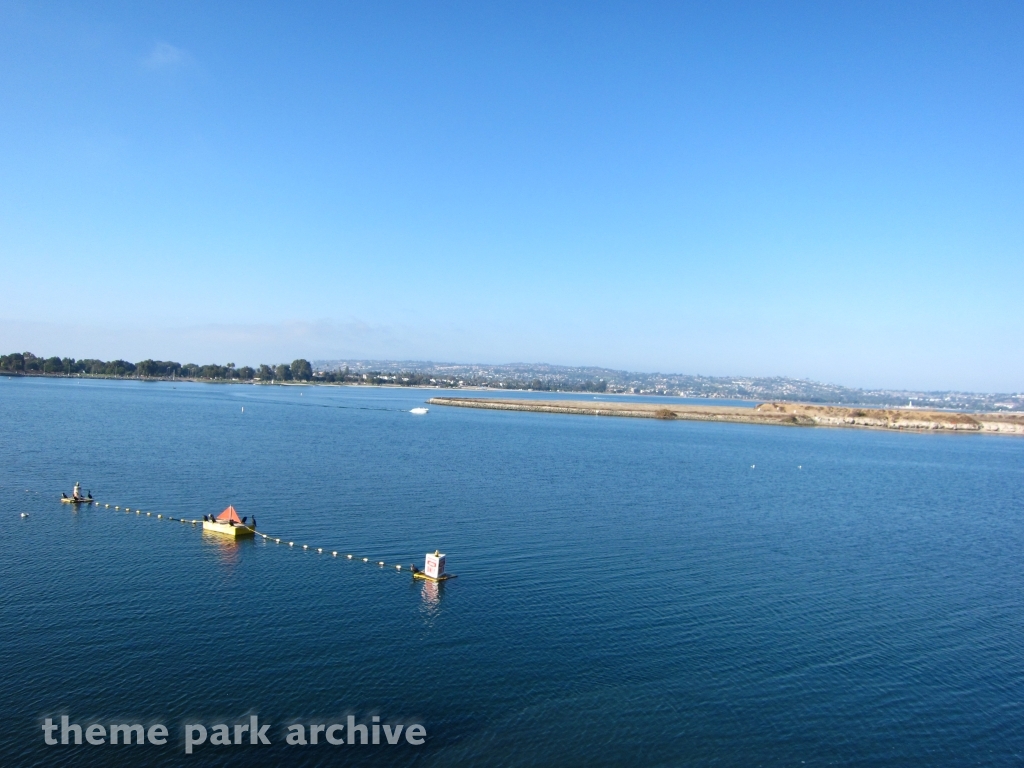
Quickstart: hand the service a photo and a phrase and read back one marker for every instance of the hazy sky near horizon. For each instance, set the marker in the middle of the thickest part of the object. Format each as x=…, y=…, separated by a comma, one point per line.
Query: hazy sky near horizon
x=822, y=190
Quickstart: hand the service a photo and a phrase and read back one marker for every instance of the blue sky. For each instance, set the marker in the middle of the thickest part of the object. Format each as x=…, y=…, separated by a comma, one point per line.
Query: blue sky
x=831, y=191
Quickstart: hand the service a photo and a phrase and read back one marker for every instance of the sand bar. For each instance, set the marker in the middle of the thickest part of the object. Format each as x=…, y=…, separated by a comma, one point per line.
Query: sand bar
x=782, y=414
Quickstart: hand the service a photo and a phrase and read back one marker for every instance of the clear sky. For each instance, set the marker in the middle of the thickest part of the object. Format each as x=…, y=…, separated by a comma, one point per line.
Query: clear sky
x=822, y=190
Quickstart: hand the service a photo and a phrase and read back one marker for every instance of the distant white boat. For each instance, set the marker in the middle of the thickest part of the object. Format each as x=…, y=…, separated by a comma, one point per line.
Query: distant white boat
x=419, y=411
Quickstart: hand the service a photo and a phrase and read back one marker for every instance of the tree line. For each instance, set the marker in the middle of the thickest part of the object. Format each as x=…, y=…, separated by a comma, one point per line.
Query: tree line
x=28, y=363
x=300, y=370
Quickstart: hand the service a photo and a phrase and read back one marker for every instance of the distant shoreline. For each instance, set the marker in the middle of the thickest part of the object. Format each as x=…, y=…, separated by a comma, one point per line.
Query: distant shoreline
x=315, y=383
x=780, y=414
x=258, y=383
x=795, y=414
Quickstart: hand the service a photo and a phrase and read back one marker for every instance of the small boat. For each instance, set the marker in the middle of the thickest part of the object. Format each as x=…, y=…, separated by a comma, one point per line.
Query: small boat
x=229, y=523
x=419, y=411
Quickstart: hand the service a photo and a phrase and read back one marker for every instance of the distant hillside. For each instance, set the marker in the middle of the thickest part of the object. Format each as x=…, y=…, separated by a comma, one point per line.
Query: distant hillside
x=544, y=377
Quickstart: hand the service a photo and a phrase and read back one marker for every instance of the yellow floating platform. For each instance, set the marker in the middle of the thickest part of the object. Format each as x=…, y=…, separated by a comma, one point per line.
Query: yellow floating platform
x=66, y=500
x=235, y=531
x=442, y=577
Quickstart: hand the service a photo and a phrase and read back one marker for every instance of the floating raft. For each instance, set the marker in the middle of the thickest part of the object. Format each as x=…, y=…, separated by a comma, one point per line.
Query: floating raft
x=442, y=577
x=66, y=500
x=228, y=523
x=227, y=529
x=433, y=568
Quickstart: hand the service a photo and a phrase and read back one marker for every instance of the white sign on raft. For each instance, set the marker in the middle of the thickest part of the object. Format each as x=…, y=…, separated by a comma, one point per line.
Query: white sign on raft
x=434, y=567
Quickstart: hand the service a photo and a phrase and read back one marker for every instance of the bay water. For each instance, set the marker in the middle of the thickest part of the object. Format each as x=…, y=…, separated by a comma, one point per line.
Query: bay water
x=629, y=591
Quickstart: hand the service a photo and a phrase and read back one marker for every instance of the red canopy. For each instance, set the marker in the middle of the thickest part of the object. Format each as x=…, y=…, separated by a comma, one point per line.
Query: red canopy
x=229, y=514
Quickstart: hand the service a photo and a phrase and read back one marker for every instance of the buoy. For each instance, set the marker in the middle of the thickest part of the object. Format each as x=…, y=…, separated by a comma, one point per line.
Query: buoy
x=349, y=556
x=159, y=515
x=116, y=507
x=398, y=567
x=320, y=549
x=107, y=506
x=24, y=514
x=291, y=543
x=381, y=563
x=433, y=568
x=334, y=554
x=366, y=559
x=305, y=546
x=751, y=466
x=149, y=514
x=138, y=511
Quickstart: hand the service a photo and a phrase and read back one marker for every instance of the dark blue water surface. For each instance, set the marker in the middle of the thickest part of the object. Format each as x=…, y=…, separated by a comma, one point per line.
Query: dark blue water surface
x=630, y=591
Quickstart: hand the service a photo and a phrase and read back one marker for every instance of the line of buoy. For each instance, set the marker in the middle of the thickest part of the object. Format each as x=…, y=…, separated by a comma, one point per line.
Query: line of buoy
x=266, y=537
x=320, y=550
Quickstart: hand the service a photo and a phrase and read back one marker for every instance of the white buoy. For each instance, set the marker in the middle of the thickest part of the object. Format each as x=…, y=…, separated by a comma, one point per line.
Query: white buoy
x=434, y=565
x=349, y=556
x=305, y=546
x=291, y=543
x=366, y=559
x=381, y=563
x=334, y=554
x=24, y=514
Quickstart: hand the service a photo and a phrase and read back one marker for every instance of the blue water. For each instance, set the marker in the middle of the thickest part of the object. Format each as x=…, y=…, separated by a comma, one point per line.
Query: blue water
x=630, y=591
x=522, y=394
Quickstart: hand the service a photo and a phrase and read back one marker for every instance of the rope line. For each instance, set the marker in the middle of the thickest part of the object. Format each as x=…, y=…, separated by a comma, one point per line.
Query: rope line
x=266, y=536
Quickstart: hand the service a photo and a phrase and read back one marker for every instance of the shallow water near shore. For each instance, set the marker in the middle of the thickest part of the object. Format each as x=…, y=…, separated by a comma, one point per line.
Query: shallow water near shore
x=630, y=591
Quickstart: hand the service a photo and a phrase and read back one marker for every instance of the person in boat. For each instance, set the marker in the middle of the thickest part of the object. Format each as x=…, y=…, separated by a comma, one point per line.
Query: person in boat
x=77, y=493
